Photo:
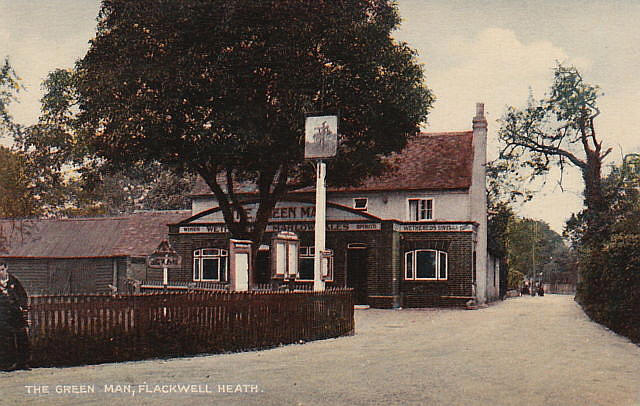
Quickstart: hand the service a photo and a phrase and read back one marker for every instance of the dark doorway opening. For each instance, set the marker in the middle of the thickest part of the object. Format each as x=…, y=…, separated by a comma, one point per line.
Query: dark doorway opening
x=263, y=267
x=357, y=272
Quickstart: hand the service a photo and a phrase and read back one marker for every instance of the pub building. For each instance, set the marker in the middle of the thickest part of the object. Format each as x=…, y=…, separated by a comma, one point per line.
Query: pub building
x=415, y=236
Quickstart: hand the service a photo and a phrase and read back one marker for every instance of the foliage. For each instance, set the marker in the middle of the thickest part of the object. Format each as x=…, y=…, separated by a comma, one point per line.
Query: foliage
x=533, y=242
x=52, y=146
x=515, y=279
x=610, y=286
x=65, y=179
x=221, y=89
x=143, y=187
x=499, y=216
x=9, y=86
x=16, y=196
x=610, y=282
x=505, y=184
x=560, y=130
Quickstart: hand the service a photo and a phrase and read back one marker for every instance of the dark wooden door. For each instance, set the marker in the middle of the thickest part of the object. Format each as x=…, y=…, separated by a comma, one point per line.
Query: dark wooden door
x=357, y=273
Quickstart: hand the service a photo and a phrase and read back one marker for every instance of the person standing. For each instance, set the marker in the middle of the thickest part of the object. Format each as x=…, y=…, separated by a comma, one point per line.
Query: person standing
x=14, y=351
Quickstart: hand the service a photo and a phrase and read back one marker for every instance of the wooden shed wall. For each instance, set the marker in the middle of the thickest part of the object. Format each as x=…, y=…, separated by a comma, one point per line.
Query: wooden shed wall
x=52, y=276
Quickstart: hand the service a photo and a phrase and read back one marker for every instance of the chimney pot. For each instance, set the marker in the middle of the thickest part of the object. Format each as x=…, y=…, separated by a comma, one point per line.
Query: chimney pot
x=479, y=121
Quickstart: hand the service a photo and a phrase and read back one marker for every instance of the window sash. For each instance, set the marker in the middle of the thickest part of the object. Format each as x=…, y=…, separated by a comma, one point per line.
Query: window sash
x=426, y=263
x=408, y=261
x=443, y=264
x=210, y=267
x=196, y=269
x=306, y=264
x=435, y=267
x=305, y=269
x=420, y=209
x=360, y=203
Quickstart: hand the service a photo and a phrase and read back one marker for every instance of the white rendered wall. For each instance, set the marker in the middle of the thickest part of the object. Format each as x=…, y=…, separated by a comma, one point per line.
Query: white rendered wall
x=447, y=206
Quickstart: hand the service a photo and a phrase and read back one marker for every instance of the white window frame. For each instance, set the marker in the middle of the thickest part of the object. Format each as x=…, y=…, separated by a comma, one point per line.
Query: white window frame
x=419, y=200
x=366, y=203
x=201, y=254
x=414, y=257
x=308, y=252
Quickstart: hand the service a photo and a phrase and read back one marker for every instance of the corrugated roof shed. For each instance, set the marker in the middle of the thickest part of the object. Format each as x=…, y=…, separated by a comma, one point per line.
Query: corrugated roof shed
x=137, y=234
x=430, y=161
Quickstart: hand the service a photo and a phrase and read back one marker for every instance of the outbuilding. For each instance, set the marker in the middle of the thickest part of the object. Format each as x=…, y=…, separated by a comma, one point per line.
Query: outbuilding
x=83, y=255
x=415, y=236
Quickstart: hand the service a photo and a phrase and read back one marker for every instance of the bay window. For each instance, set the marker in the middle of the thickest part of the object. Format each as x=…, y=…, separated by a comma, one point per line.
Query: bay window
x=425, y=265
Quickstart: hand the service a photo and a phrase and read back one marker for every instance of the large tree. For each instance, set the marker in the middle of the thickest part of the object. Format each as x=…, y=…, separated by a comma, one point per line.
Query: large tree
x=149, y=186
x=51, y=146
x=17, y=199
x=9, y=86
x=221, y=89
x=560, y=130
x=71, y=181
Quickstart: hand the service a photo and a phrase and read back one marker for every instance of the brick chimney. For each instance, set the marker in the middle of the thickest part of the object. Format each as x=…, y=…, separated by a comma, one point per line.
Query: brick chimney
x=478, y=201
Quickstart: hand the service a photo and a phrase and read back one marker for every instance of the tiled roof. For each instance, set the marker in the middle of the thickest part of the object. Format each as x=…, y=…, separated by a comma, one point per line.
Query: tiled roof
x=137, y=234
x=430, y=161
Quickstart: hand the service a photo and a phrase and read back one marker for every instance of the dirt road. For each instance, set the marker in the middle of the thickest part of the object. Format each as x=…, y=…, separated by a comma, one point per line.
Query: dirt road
x=524, y=351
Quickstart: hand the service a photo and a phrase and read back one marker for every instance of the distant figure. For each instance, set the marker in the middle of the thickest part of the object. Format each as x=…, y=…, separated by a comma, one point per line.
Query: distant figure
x=540, y=290
x=14, y=354
x=525, y=289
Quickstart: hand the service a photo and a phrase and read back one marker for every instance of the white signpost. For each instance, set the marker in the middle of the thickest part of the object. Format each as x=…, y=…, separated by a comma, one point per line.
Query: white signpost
x=321, y=141
x=164, y=257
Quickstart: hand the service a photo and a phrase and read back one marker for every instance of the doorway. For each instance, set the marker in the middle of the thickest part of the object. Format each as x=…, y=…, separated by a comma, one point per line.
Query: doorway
x=357, y=272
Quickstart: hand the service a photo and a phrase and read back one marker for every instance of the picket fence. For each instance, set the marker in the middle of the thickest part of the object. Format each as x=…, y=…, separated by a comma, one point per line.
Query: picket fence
x=95, y=328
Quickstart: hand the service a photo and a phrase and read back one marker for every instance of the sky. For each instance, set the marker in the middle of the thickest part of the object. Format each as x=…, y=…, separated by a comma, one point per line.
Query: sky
x=490, y=51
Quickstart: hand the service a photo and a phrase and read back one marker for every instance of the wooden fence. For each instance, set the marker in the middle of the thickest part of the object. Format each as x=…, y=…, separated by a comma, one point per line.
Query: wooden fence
x=560, y=288
x=154, y=285
x=82, y=329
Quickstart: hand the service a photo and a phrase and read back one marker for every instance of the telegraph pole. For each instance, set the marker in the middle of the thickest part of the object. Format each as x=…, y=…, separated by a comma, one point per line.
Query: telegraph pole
x=533, y=255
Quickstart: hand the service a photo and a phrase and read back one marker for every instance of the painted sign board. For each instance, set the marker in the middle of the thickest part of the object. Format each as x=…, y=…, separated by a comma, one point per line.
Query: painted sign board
x=421, y=228
x=164, y=257
x=320, y=137
x=303, y=226
x=289, y=211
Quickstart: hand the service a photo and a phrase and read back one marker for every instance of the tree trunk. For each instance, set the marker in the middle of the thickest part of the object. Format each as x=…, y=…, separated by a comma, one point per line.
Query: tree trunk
x=591, y=174
x=594, y=201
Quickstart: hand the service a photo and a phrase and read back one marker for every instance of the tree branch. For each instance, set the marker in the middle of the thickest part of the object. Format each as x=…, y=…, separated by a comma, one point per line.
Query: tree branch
x=237, y=205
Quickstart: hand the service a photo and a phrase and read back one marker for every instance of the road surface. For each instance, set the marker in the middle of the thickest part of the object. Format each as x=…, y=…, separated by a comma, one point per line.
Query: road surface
x=523, y=351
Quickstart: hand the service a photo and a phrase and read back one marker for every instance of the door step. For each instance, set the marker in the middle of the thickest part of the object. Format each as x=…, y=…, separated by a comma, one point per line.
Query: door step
x=361, y=307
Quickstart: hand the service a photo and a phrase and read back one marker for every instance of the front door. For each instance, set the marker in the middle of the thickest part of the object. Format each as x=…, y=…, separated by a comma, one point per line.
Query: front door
x=357, y=273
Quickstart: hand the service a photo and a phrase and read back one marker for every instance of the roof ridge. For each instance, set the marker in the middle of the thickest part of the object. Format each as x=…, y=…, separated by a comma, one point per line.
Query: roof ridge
x=447, y=133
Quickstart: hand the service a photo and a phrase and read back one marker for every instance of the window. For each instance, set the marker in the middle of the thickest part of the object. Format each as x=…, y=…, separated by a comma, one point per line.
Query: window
x=210, y=264
x=420, y=209
x=360, y=203
x=305, y=267
x=425, y=265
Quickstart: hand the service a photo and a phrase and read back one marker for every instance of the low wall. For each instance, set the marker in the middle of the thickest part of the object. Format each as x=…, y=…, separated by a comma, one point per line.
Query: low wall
x=84, y=329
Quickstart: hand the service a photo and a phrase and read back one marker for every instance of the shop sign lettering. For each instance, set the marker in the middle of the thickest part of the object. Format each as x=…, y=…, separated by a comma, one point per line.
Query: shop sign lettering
x=277, y=227
x=417, y=228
